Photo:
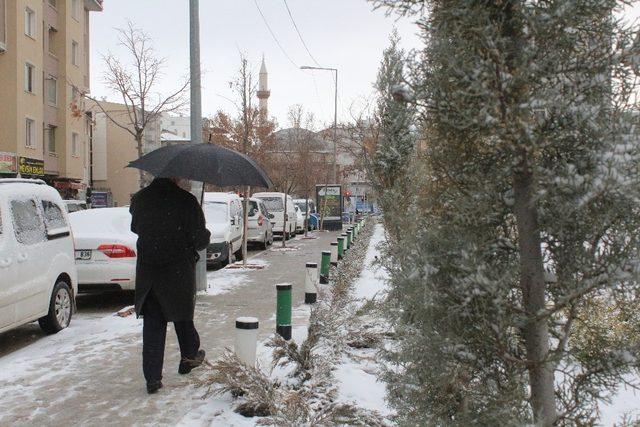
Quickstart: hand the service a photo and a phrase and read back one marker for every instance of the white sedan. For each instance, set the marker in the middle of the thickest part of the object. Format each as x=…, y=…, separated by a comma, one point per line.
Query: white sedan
x=105, y=248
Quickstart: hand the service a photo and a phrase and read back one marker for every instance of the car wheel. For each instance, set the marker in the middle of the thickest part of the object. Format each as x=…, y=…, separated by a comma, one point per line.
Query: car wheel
x=265, y=243
x=60, y=309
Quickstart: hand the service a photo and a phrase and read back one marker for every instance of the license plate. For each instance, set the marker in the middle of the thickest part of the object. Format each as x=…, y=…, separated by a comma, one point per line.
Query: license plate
x=83, y=254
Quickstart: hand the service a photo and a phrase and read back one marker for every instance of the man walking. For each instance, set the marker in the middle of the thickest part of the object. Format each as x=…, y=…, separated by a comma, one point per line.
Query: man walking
x=171, y=230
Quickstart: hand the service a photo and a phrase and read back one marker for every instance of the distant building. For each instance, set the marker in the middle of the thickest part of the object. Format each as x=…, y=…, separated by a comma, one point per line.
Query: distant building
x=44, y=67
x=177, y=125
x=112, y=150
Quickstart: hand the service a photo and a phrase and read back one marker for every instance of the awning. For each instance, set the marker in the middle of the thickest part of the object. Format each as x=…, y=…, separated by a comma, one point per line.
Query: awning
x=71, y=185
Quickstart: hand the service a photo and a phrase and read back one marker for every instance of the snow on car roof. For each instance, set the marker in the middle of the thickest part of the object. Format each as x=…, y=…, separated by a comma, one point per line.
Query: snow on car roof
x=219, y=196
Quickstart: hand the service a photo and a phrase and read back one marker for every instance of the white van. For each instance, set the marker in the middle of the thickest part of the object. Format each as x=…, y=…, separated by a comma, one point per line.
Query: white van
x=275, y=203
x=39, y=278
x=224, y=216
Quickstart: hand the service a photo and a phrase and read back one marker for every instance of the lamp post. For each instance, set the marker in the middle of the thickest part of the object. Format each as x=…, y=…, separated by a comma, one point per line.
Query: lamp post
x=197, y=188
x=335, y=120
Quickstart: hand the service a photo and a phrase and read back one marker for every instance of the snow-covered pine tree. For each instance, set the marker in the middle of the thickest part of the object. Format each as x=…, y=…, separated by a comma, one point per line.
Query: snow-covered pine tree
x=393, y=122
x=527, y=215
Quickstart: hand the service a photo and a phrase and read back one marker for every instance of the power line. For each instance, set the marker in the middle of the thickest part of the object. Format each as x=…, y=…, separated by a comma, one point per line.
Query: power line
x=293, y=21
x=273, y=35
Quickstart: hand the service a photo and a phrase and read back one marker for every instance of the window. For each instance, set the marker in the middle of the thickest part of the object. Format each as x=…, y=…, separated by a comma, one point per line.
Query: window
x=52, y=91
x=273, y=204
x=30, y=136
x=74, y=52
x=75, y=9
x=30, y=23
x=51, y=145
x=74, y=144
x=53, y=3
x=51, y=35
x=27, y=224
x=53, y=217
x=29, y=77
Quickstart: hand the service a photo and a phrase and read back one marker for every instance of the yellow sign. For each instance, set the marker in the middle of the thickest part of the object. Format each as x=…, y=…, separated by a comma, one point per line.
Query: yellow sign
x=29, y=166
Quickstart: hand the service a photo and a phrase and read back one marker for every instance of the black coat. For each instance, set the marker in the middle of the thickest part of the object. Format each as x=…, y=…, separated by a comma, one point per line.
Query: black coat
x=171, y=229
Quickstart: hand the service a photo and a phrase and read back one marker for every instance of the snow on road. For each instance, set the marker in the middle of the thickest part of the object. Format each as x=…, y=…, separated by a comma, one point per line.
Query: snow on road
x=227, y=279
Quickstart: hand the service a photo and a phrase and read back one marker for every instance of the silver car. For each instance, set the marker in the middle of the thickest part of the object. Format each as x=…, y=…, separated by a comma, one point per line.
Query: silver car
x=259, y=228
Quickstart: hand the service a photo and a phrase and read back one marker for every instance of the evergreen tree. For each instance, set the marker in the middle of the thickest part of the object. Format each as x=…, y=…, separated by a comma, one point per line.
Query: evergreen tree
x=393, y=120
x=526, y=214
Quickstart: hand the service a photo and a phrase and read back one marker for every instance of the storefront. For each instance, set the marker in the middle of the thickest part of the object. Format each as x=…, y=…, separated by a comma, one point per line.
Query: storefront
x=8, y=166
x=70, y=189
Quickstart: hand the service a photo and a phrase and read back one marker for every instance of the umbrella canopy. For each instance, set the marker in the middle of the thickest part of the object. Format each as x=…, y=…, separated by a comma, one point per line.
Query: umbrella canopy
x=208, y=163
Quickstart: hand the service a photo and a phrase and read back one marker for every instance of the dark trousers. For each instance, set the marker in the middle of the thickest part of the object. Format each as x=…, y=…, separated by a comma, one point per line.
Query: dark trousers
x=154, y=334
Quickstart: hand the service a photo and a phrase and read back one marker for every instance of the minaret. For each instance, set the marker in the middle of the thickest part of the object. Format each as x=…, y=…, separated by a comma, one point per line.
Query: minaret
x=263, y=91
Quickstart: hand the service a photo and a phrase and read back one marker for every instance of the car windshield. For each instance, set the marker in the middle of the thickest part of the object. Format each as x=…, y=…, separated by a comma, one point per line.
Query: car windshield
x=273, y=204
x=302, y=205
x=215, y=211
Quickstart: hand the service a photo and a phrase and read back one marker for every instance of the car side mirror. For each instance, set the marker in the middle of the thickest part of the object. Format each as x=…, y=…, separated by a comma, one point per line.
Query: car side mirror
x=271, y=216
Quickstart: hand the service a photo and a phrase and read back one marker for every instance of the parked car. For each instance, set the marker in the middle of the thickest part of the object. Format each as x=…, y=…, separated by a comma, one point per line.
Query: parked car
x=105, y=248
x=307, y=207
x=75, y=205
x=259, y=228
x=39, y=276
x=282, y=212
x=224, y=215
x=300, y=220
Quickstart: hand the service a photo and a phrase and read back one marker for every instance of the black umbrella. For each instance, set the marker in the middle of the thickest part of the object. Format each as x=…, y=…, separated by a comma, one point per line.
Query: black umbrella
x=208, y=163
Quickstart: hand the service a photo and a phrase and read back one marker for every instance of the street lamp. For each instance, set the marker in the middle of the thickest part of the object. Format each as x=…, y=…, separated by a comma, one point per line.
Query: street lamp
x=335, y=120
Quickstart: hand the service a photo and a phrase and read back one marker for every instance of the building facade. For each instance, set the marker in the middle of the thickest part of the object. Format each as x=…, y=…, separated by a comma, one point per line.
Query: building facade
x=177, y=125
x=44, y=64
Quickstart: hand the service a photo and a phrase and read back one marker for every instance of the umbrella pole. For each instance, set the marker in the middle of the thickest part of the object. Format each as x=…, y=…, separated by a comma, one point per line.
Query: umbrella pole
x=245, y=227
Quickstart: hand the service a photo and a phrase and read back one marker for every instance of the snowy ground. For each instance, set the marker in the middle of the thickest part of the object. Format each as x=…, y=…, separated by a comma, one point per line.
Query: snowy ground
x=90, y=373
x=356, y=374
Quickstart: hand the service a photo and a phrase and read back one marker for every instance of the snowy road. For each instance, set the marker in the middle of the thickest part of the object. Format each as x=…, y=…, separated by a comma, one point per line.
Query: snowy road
x=90, y=373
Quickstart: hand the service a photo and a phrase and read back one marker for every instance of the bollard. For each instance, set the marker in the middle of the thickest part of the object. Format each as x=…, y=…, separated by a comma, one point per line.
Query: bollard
x=340, y=247
x=310, y=281
x=334, y=254
x=346, y=241
x=324, y=267
x=352, y=231
x=349, y=239
x=246, y=339
x=283, y=310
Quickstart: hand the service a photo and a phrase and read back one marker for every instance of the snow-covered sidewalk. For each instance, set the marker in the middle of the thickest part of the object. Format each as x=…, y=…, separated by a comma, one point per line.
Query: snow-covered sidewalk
x=355, y=373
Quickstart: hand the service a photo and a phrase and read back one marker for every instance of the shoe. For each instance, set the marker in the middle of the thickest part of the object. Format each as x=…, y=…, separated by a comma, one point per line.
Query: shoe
x=154, y=386
x=186, y=365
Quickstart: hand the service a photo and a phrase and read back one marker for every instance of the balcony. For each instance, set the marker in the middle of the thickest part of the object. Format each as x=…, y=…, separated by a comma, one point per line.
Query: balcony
x=93, y=5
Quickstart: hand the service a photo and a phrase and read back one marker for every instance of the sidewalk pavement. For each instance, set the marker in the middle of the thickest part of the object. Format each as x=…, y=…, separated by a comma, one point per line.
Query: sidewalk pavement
x=90, y=374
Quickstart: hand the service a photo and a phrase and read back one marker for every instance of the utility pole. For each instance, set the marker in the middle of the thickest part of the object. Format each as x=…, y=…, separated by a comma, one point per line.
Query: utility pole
x=335, y=120
x=197, y=188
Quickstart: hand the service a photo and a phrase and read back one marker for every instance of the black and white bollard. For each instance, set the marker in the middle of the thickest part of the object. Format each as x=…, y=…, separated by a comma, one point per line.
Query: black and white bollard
x=334, y=254
x=246, y=339
x=310, y=283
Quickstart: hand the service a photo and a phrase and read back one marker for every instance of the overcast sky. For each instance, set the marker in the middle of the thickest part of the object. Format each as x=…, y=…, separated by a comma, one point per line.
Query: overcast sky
x=343, y=34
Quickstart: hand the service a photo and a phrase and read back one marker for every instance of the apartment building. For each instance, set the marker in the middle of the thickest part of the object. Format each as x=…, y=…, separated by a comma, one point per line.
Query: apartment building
x=44, y=67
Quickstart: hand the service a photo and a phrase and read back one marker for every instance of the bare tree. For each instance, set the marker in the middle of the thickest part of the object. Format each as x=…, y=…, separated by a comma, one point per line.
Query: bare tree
x=135, y=82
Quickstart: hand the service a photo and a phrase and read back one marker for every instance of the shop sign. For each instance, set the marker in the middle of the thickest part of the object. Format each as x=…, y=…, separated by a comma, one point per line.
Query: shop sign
x=7, y=162
x=29, y=166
